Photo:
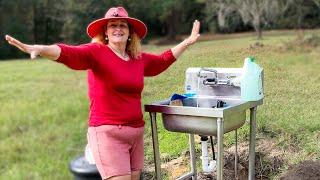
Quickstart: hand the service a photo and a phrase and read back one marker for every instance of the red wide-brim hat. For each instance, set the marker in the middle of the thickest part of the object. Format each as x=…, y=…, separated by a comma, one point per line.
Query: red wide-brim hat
x=97, y=26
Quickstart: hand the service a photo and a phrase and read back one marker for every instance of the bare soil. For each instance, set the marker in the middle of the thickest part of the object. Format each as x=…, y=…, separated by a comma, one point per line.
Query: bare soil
x=307, y=170
x=268, y=161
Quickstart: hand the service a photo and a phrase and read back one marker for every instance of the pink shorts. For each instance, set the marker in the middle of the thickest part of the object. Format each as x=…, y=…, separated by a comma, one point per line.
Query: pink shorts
x=117, y=150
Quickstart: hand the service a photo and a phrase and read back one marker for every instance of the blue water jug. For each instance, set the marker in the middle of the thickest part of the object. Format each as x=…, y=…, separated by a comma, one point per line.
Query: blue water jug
x=251, y=81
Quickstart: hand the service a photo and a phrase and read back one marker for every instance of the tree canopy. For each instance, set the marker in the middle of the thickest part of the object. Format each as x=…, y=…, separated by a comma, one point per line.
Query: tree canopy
x=51, y=21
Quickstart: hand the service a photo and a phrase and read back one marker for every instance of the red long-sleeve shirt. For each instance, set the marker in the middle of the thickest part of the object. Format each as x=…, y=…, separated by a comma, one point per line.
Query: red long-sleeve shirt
x=114, y=85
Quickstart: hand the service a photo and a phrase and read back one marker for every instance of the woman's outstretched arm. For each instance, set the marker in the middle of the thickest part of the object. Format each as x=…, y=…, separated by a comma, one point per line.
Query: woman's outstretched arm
x=48, y=51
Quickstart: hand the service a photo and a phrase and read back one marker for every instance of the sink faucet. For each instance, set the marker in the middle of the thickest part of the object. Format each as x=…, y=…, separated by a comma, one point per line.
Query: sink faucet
x=209, y=81
x=213, y=81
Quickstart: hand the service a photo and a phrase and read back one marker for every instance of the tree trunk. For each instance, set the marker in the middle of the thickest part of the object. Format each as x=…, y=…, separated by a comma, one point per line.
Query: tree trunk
x=171, y=26
x=222, y=16
x=257, y=25
x=170, y=23
x=35, y=23
x=300, y=17
x=46, y=31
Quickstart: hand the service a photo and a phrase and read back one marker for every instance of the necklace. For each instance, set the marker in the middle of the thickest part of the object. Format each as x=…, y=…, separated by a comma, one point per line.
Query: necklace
x=123, y=56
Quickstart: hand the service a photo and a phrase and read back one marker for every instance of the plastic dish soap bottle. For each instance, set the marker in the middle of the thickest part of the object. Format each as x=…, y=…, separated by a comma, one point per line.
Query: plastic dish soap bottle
x=251, y=81
x=190, y=85
x=189, y=92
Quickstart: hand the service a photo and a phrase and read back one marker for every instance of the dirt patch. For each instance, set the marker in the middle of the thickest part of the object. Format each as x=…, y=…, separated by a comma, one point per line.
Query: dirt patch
x=268, y=161
x=177, y=167
x=309, y=170
x=171, y=168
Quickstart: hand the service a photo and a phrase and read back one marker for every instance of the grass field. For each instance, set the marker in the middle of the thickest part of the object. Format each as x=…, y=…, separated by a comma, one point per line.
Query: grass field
x=44, y=107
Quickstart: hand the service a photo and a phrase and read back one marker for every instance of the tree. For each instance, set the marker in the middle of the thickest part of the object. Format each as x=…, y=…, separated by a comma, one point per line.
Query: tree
x=300, y=10
x=258, y=12
x=48, y=19
x=15, y=21
x=176, y=15
x=254, y=12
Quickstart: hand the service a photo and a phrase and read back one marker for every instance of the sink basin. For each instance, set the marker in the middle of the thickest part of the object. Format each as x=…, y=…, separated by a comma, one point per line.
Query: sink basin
x=198, y=116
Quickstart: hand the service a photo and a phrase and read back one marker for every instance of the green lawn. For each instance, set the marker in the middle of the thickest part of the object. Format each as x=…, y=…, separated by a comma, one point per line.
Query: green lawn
x=44, y=108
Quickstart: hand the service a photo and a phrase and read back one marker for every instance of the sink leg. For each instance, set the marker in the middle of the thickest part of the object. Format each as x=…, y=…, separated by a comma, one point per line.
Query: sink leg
x=193, y=157
x=236, y=156
x=220, y=148
x=252, y=144
x=155, y=143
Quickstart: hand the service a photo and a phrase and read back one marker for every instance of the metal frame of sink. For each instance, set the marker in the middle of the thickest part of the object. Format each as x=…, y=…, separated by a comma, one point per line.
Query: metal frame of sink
x=218, y=116
x=207, y=86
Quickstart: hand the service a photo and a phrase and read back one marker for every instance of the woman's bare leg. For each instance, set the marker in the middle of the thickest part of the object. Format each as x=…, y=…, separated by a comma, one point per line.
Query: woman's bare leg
x=135, y=175
x=125, y=177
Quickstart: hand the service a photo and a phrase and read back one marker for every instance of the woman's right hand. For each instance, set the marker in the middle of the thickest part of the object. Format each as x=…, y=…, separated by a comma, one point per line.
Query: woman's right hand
x=33, y=50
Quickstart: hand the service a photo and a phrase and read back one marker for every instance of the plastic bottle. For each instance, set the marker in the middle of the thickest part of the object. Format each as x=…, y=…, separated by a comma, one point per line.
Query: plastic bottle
x=251, y=81
x=88, y=155
x=189, y=91
x=190, y=86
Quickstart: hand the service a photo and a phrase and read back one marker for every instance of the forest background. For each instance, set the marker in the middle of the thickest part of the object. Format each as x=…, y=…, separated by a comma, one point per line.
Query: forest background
x=51, y=21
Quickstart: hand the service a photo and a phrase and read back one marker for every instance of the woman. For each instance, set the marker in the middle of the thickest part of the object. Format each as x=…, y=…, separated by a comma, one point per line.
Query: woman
x=116, y=68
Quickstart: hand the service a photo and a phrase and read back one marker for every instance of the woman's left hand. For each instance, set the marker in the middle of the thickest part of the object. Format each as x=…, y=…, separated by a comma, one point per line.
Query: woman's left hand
x=194, y=36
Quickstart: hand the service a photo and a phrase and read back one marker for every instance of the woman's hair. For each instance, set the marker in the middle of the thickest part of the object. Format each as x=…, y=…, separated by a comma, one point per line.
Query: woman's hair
x=133, y=48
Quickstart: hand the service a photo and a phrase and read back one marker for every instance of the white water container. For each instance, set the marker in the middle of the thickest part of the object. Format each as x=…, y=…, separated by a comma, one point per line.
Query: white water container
x=251, y=81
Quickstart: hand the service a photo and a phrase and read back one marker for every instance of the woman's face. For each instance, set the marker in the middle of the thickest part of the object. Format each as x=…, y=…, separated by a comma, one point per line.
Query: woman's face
x=117, y=31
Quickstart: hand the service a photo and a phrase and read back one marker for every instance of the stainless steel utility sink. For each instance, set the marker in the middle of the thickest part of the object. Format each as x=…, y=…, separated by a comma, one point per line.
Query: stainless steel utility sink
x=201, y=117
x=198, y=116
